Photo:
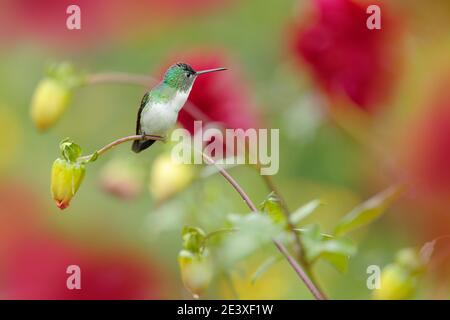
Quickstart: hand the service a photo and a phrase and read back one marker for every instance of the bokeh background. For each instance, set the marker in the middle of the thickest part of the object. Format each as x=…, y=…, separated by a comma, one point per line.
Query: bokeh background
x=357, y=110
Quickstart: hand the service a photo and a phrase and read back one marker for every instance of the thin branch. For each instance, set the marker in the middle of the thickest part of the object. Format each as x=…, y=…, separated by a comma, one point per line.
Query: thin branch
x=120, y=141
x=144, y=81
x=316, y=293
x=298, y=245
x=197, y=113
x=233, y=182
x=298, y=269
x=120, y=77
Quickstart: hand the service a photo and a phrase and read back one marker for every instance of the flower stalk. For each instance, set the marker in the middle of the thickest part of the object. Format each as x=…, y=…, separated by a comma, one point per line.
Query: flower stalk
x=295, y=265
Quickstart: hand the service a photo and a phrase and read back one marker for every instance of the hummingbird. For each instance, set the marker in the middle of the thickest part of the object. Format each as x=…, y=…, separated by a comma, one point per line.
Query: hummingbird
x=160, y=106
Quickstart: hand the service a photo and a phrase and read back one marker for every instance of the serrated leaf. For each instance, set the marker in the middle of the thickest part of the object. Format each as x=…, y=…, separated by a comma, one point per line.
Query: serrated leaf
x=272, y=206
x=264, y=267
x=368, y=211
x=304, y=211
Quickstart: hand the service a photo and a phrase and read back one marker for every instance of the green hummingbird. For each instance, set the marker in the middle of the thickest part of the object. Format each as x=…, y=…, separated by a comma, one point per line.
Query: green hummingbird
x=159, y=108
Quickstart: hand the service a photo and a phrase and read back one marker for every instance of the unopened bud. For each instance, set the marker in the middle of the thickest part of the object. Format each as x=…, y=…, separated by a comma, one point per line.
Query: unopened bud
x=49, y=102
x=168, y=177
x=122, y=177
x=196, y=271
x=397, y=283
x=53, y=94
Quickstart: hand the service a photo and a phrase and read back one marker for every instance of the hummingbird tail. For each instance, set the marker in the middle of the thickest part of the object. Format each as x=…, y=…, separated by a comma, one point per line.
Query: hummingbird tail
x=139, y=145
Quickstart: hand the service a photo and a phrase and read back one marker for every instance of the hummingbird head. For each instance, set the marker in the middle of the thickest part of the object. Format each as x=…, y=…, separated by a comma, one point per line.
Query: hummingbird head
x=181, y=76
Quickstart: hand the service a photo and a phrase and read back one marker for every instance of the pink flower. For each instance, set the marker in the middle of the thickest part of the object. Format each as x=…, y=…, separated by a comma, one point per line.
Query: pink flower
x=344, y=56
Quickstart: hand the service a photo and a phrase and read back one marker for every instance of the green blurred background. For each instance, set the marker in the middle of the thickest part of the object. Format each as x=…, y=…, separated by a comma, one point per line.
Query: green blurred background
x=334, y=145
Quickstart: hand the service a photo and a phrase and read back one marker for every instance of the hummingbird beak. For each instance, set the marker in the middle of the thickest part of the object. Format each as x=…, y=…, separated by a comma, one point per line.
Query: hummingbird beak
x=209, y=70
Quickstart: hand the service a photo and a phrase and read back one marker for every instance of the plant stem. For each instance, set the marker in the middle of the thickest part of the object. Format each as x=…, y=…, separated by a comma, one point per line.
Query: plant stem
x=196, y=113
x=120, y=141
x=298, y=269
x=316, y=293
x=120, y=77
x=298, y=245
x=144, y=81
x=233, y=182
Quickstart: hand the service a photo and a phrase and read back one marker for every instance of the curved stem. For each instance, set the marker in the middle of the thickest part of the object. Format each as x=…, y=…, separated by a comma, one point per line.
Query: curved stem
x=316, y=293
x=196, y=113
x=220, y=231
x=120, y=141
x=298, y=269
x=120, y=77
x=231, y=180
x=298, y=245
x=144, y=81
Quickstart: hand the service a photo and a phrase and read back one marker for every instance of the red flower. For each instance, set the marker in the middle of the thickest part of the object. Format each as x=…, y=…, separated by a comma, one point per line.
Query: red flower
x=35, y=267
x=34, y=261
x=101, y=20
x=45, y=20
x=428, y=147
x=344, y=56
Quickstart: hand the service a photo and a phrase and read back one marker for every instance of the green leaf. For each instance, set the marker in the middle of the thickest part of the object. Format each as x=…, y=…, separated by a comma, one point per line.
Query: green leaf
x=93, y=157
x=368, y=211
x=264, y=267
x=70, y=150
x=303, y=230
x=337, y=251
x=193, y=239
x=256, y=230
x=304, y=211
x=339, y=261
x=272, y=206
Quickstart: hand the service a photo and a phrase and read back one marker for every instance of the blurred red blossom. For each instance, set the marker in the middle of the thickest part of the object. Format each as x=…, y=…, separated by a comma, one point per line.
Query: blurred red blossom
x=101, y=20
x=427, y=146
x=220, y=97
x=34, y=260
x=424, y=159
x=34, y=267
x=344, y=56
x=45, y=20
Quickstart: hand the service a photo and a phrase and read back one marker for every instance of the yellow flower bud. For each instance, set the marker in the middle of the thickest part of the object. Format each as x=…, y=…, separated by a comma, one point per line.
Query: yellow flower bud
x=49, y=102
x=196, y=271
x=167, y=177
x=397, y=283
x=65, y=181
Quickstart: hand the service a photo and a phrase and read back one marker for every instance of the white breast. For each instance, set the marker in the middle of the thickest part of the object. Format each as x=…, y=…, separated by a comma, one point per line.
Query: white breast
x=158, y=118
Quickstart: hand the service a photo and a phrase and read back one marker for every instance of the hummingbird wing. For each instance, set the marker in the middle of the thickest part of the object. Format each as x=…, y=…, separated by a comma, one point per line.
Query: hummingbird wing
x=160, y=93
x=143, y=103
x=139, y=145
